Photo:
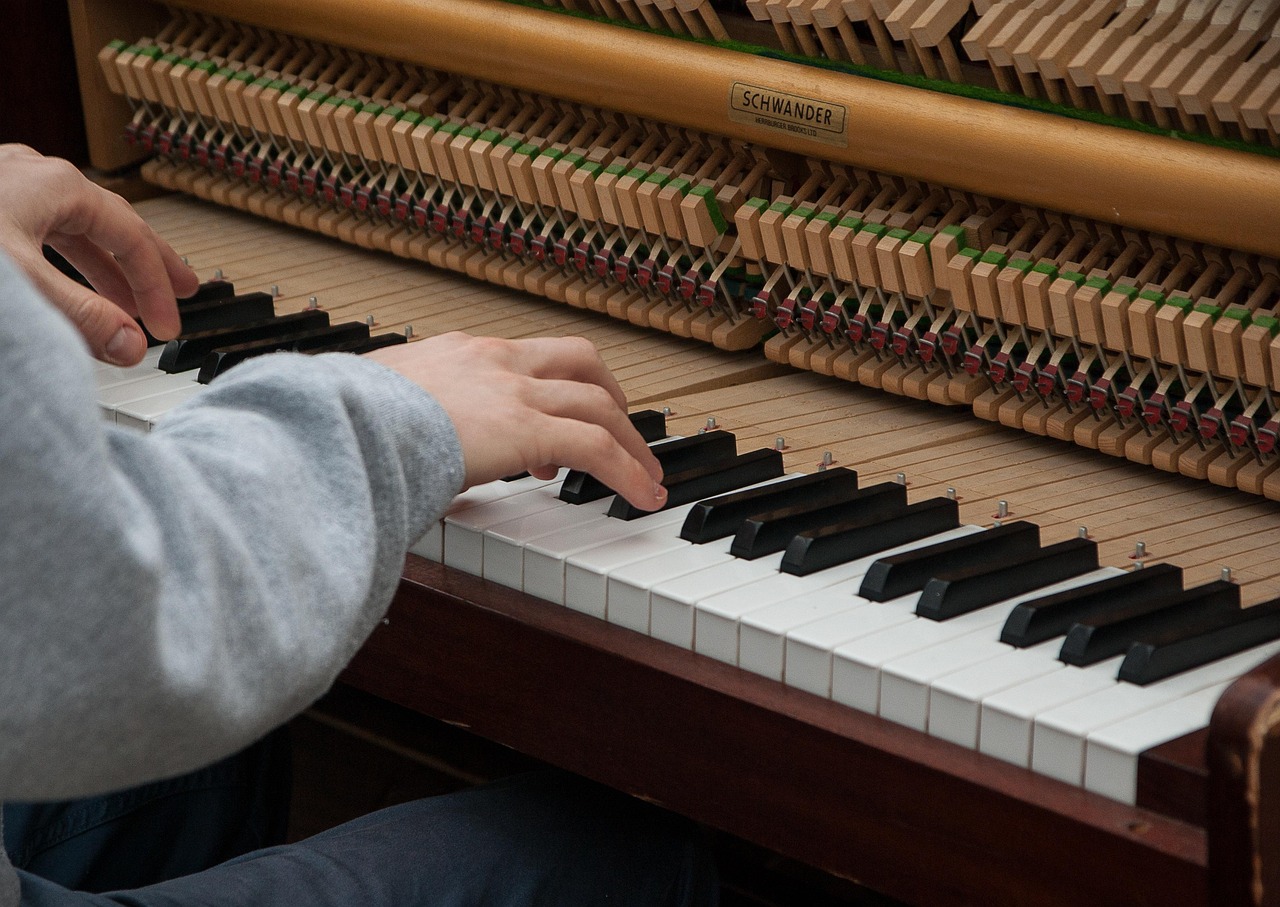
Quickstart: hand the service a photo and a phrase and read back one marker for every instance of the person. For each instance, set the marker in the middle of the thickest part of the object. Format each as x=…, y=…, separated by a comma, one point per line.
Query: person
x=168, y=599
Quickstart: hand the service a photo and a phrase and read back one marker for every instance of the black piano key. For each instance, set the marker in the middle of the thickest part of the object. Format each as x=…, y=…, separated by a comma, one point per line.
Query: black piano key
x=707, y=481
x=315, y=340
x=1159, y=655
x=368, y=345
x=208, y=291
x=769, y=532
x=642, y=420
x=189, y=351
x=650, y=423
x=55, y=258
x=829, y=546
x=675, y=456
x=961, y=591
x=1103, y=636
x=720, y=516
x=1043, y=618
x=227, y=312
x=909, y=571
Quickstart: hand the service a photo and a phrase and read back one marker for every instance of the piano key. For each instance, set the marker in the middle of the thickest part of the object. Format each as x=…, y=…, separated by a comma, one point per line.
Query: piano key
x=144, y=414
x=313, y=340
x=1172, y=650
x=431, y=544
x=763, y=632
x=909, y=572
x=675, y=455
x=368, y=345
x=720, y=516
x=106, y=374
x=809, y=645
x=650, y=423
x=629, y=586
x=1111, y=753
x=818, y=549
x=504, y=544
x=221, y=312
x=770, y=531
x=693, y=485
x=463, y=547
x=206, y=292
x=188, y=352
x=1053, y=615
x=861, y=668
x=1059, y=736
x=962, y=591
x=589, y=573
x=111, y=398
x=1106, y=635
x=1007, y=720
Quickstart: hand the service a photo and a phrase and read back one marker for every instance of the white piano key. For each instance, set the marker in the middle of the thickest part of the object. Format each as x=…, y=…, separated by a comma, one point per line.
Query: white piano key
x=1111, y=753
x=145, y=414
x=504, y=543
x=1060, y=735
x=905, y=682
x=431, y=545
x=123, y=393
x=671, y=603
x=586, y=575
x=716, y=618
x=464, y=529
x=545, y=556
x=808, y=646
x=105, y=374
x=955, y=700
x=629, y=586
x=1007, y=720
x=782, y=605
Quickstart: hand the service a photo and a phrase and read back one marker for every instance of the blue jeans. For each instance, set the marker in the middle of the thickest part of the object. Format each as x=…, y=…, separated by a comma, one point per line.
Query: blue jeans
x=539, y=839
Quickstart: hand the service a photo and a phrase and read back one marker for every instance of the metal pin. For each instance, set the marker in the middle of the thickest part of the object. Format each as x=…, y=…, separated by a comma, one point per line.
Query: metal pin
x=1139, y=550
x=275, y=290
x=711, y=422
x=822, y=467
x=1002, y=509
x=408, y=332
x=996, y=524
x=186, y=261
x=827, y=458
x=666, y=410
x=1082, y=532
x=951, y=493
x=217, y=273
x=901, y=478
x=1226, y=574
x=368, y=319
x=779, y=443
x=1138, y=565
x=313, y=303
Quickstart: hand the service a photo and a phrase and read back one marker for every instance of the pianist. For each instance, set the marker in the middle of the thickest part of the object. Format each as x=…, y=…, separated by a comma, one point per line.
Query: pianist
x=166, y=600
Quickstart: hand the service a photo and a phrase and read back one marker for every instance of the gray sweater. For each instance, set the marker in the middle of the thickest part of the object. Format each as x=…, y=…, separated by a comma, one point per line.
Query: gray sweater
x=166, y=599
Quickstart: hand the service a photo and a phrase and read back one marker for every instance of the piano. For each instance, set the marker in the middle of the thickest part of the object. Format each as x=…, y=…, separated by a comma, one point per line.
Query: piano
x=1022, y=264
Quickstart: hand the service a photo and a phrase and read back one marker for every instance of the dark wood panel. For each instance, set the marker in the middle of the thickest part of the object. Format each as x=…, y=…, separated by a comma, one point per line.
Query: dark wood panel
x=914, y=817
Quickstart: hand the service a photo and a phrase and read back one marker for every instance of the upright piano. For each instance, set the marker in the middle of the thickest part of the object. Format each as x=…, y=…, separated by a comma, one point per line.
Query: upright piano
x=1012, y=263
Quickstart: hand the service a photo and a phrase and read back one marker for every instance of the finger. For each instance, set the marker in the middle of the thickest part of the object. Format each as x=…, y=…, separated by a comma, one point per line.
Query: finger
x=111, y=223
x=112, y=335
x=98, y=267
x=571, y=359
x=594, y=449
x=592, y=404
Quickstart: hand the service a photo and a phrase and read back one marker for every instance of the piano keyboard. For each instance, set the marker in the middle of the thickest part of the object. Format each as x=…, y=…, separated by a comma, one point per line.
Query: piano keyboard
x=953, y=679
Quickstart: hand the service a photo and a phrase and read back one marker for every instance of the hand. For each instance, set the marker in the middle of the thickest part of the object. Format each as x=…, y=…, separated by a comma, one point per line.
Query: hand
x=533, y=405
x=135, y=272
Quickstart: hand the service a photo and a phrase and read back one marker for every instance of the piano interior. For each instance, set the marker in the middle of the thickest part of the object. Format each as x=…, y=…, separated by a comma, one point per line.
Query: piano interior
x=1016, y=259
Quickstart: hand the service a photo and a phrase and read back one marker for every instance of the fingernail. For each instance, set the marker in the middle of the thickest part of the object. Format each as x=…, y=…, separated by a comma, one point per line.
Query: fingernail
x=118, y=350
x=659, y=492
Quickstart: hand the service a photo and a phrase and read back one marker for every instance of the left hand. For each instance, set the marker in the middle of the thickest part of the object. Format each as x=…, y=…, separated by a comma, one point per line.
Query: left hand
x=135, y=272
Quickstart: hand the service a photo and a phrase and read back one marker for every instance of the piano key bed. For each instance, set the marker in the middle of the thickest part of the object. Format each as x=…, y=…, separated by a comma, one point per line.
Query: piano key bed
x=842, y=694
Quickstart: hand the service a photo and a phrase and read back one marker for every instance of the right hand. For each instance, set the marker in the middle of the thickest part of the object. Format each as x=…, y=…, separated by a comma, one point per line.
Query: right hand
x=533, y=405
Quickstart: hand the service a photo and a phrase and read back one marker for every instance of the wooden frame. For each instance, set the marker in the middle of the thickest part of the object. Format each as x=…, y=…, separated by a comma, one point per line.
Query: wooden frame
x=909, y=815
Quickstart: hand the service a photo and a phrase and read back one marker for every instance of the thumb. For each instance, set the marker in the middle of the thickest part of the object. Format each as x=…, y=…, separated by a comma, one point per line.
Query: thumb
x=112, y=335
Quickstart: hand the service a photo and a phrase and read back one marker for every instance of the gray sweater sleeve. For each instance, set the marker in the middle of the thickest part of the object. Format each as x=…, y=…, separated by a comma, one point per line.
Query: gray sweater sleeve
x=165, y=599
